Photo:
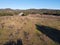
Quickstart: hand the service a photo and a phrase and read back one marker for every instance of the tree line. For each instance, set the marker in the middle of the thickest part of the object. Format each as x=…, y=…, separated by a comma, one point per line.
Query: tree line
x=11, y=12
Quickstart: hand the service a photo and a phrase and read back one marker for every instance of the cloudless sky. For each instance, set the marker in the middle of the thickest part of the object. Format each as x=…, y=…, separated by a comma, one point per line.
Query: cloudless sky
x=27, y=4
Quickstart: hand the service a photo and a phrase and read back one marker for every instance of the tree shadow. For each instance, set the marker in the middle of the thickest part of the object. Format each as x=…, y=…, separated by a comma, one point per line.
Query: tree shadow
x=19, y=42
x=52, y=33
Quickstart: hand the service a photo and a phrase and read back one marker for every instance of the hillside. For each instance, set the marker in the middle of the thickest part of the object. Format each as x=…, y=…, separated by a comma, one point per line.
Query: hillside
x=29, y=30
x=10, y=12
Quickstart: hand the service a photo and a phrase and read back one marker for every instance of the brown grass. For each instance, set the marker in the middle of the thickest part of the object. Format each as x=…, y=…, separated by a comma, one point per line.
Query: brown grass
x=23, y=27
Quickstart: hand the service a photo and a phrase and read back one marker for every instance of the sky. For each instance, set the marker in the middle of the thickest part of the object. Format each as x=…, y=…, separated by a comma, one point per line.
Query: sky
x=28, y=4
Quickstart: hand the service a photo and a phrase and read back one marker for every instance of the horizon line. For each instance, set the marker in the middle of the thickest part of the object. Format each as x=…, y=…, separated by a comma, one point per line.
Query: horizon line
x=31, y=8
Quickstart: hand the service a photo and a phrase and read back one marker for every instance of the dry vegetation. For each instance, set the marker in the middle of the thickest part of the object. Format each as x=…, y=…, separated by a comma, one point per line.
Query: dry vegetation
x=23, y=30
x=39, y=27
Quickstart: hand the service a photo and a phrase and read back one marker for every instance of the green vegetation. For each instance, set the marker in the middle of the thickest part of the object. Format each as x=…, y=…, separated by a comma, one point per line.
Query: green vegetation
x=10, y=12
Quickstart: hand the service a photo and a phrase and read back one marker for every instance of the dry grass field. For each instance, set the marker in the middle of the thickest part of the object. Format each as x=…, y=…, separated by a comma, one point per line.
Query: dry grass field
x=30, y=30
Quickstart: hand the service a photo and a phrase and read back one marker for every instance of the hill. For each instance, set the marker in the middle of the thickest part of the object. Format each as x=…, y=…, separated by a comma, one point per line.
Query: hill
x=10, y=12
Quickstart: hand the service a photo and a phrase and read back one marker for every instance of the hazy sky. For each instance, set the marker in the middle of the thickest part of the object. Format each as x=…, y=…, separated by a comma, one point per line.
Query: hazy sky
x=26, y=4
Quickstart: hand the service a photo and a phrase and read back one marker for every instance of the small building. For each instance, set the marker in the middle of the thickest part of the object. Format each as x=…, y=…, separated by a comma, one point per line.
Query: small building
x=21, y=14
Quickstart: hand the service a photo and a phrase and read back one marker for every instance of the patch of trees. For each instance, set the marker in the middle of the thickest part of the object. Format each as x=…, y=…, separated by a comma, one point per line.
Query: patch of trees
x=52, y=12
x=11, y=12
x=42, y=11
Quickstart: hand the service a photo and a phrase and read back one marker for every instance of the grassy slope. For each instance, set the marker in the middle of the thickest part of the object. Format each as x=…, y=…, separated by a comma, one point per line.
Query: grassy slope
x=18, y=27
